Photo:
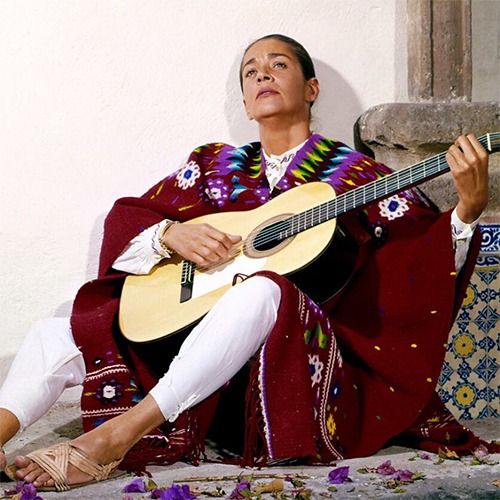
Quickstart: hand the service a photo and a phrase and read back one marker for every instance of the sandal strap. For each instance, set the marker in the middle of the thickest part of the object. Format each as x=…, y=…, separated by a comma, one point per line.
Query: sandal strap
x=55, y=460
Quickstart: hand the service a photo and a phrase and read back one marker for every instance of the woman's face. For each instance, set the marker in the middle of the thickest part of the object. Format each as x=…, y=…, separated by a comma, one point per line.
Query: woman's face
x=274, y=84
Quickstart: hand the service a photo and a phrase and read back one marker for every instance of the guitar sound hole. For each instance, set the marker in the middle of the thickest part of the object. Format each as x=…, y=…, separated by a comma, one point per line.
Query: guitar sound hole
x=271, y=236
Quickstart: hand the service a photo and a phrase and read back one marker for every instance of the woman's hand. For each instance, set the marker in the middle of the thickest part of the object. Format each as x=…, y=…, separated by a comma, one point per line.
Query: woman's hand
x=468, y=163
x=200, y=243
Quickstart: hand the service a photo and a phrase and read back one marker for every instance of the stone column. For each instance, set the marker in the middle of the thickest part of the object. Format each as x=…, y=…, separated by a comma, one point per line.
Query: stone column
x=440, y=90
x=439, y=50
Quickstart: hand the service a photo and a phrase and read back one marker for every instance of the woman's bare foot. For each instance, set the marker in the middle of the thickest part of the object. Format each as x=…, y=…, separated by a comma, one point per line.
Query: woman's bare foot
x=104, y=444
x=96, y=445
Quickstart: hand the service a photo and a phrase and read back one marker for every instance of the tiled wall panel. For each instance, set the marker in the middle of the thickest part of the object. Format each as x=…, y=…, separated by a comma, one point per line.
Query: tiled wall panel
x=470, y=379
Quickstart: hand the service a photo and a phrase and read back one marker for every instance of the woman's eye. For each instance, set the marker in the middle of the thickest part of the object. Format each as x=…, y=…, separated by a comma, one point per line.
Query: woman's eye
x=280, y=65
x=250, y=72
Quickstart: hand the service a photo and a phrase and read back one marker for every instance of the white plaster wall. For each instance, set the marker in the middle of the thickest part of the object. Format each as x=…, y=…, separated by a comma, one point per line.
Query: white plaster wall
x=101, y=98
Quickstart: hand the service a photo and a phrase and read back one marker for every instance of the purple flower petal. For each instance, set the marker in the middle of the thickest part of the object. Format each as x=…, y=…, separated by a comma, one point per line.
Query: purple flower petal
x=177, y=492
x=403, y=475
x=425, y=456
x=19, y=488
x=386, y=469
x=136, y=486
x=156, y=493
x=339, y=475
x=236, y=493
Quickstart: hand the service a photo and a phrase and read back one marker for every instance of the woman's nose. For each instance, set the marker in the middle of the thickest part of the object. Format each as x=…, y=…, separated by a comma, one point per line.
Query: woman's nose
x=263, y=76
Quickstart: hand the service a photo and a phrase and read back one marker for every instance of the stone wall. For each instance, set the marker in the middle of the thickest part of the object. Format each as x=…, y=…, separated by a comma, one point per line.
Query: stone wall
x=404, y=134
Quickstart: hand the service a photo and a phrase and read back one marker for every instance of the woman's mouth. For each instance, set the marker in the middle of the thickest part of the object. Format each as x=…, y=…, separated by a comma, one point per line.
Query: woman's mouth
x=266, y=93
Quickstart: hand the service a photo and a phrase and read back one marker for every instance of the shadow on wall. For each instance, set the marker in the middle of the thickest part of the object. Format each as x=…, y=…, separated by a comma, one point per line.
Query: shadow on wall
x=333, y=115
x=95, y=247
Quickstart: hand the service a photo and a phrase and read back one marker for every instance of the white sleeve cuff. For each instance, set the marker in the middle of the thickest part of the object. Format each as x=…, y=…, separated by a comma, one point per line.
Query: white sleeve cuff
x=143, y=252
x=461, y=230
x=461, y=234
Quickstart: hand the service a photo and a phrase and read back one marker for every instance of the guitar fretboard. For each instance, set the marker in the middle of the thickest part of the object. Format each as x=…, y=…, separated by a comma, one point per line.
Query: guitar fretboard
x=376, y=190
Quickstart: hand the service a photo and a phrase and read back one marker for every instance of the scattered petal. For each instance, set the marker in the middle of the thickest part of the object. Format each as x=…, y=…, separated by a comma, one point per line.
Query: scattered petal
x=405, y=476
x=177, y=492
x=237, y=493
x=151, y=485
x=339, y=475
x=136, y=486
x=481, y=453
x=425, y=456
x=23, y=491
x=446, y=453
x=386, y=469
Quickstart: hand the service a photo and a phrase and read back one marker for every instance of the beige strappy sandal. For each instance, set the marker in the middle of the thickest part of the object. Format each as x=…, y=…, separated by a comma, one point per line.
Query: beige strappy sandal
x=55, y=459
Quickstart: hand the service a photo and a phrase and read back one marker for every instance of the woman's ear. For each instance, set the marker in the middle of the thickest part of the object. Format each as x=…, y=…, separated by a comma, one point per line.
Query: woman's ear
x=312, y=89
x=249, y=115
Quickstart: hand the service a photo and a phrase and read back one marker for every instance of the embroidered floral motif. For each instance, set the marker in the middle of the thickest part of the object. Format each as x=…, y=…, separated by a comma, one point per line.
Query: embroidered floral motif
x=393, y=207
x=110, y=391
x=316, y=367
x=187, y=175
x=331, y=426
x=217, y=191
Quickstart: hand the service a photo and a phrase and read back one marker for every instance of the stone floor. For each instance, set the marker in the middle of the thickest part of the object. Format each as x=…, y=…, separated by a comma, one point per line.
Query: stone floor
x=448, y=479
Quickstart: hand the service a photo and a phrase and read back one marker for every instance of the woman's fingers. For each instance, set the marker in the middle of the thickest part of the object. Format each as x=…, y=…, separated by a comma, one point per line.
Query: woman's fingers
x=468, y=163
x=200, y=243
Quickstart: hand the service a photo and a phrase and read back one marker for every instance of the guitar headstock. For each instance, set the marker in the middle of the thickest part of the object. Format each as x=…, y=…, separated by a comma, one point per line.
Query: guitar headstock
x=490, y=142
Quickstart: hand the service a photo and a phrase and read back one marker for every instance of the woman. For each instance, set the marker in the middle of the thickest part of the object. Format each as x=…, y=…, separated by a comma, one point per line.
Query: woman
x=329, y=383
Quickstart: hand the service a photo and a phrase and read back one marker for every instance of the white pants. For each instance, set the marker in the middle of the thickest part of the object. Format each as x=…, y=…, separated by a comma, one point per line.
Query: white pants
x=230, y=334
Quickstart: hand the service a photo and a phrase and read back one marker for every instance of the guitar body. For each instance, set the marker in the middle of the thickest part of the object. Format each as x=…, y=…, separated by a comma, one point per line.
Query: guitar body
x=152, y=307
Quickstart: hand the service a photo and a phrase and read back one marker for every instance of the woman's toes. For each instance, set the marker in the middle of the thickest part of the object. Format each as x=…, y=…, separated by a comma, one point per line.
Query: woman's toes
x=22, y=462
x=33, y=475
x=42, y=479
x=23, y=472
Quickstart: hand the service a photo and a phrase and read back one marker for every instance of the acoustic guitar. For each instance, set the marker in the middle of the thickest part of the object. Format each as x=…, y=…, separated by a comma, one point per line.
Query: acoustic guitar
x=292, y=235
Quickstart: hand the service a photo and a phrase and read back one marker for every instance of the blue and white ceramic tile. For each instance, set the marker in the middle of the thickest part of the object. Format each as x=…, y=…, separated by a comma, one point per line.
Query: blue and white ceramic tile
x=469, y=384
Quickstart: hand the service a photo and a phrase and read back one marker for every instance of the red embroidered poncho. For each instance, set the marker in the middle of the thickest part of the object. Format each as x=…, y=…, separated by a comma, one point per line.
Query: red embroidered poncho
x=331, y=383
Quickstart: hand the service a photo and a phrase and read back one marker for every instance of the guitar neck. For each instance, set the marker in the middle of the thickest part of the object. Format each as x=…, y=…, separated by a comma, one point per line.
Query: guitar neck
x=381, y=188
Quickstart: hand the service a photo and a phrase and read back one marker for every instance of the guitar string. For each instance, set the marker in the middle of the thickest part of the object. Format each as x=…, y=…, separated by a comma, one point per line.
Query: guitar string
x=393, y=183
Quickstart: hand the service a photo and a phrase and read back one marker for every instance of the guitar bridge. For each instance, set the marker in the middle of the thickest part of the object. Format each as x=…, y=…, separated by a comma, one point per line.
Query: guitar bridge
x=187, y=279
